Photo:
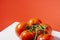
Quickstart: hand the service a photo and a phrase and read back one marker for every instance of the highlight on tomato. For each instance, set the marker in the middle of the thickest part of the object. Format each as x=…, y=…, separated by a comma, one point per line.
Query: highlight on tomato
x=45, y=37
x=27, y=35
x=20, y=28
x=33, y=21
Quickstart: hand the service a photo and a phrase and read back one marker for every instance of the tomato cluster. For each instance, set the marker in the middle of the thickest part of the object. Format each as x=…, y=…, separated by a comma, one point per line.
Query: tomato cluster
x=34, y=29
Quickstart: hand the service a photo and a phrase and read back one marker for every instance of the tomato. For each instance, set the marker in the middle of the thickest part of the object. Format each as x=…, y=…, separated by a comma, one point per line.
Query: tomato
x=26, y=35
x=48, y=28
x=45, y=37
x=20, y=28
x=33, y=21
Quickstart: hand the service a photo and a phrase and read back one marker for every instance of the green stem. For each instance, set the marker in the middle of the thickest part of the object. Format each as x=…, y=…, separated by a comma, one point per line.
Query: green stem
x=36, y=34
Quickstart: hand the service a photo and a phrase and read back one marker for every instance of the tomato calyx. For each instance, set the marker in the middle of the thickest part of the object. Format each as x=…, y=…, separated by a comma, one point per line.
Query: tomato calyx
x=39, y=28
x=27, y=27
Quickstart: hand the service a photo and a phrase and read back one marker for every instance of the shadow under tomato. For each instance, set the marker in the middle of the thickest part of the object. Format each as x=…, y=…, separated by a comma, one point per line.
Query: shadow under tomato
x=56, y=38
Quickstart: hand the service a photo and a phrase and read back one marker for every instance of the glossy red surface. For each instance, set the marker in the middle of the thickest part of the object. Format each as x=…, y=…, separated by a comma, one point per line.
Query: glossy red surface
x=21, y=10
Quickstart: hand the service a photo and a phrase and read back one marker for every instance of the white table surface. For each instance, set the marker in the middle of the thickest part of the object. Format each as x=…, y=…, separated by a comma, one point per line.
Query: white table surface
x=9, y=33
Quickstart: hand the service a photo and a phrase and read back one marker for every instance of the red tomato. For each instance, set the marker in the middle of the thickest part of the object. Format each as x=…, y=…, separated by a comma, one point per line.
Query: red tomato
x=45, y=37
x=20, y=28
x=48, y=28
x=26, y=35
x=33, y=21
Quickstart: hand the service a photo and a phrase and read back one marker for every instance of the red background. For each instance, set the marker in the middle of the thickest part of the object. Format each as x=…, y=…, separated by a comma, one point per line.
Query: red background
x=21, y=10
